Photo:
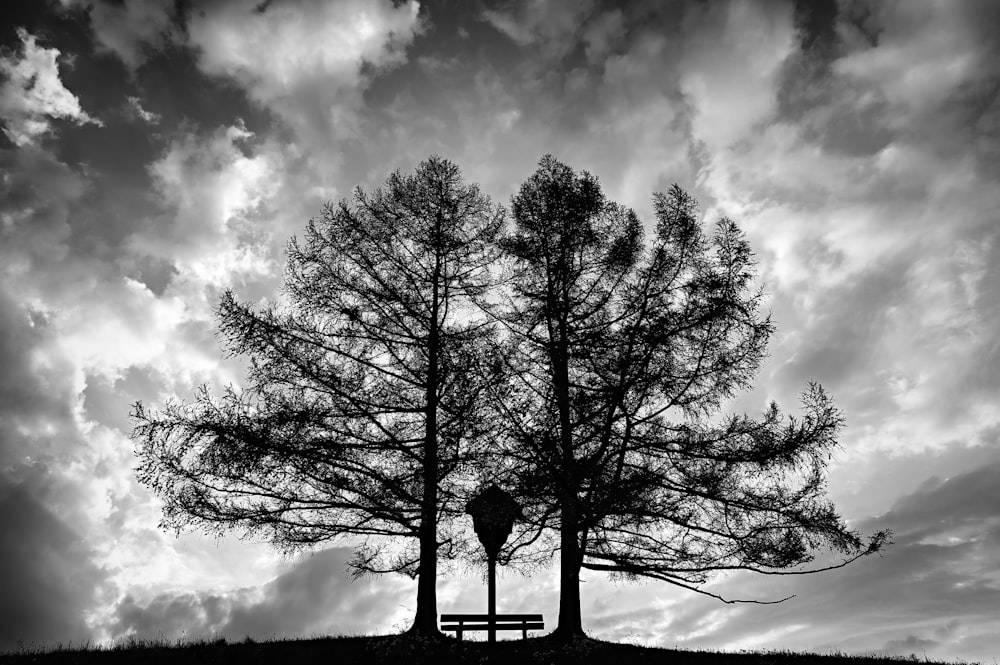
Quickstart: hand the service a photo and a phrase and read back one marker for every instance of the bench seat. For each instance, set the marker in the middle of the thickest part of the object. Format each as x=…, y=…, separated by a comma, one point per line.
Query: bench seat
x=459, y=623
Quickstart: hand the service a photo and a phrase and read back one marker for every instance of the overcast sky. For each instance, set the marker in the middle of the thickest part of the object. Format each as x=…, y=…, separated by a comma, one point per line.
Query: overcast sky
x=153, y=155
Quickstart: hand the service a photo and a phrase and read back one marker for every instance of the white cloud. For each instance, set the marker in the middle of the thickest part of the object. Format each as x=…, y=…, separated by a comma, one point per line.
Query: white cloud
x=69, y=319
x=213, y=193
x=135, y=107
x=302, y=58
x=874, y=245
x=730, y=67
x=33, y=94
x=312, y=596
x=127, y=326
x=868, y=198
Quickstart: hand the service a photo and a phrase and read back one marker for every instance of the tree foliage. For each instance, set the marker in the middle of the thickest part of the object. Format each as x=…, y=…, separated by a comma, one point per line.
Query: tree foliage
x=362, y=408
x=622, y=356
x=591, y=384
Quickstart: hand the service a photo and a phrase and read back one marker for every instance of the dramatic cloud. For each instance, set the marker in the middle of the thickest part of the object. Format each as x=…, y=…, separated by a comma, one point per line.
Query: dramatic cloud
x=313, y=597
x=32, y=94
x=935, y=589
x=208, y=188
x=132, y=29
x=874, y=234
x=304, y=59
x=856, y=142
x=49, y=582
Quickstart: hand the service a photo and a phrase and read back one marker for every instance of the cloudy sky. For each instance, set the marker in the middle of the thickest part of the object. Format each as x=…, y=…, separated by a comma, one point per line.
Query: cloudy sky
x=154, y=153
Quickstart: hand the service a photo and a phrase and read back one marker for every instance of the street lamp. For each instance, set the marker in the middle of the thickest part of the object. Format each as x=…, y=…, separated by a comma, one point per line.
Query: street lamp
x=493, y=513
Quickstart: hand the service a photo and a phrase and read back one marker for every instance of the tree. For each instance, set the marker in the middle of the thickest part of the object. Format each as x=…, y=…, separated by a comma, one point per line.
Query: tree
x=623, y=357
x=362, y=409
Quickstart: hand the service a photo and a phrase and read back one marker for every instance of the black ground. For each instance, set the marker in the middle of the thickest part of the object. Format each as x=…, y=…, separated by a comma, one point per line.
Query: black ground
x=403, y=649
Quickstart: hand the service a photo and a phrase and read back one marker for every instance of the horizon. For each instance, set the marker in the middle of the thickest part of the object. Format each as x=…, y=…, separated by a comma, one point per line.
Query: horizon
x=155, y=154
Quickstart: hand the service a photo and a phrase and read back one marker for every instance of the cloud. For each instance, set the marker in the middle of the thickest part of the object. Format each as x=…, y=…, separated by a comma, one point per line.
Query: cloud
x=131, y=30
x=934, y=589
x=621, y=116
x=32, y=93
x=211, y=191
x=313, y=596
x=39, y=193
x=911, y=644
x=305, y=60
x=731, y=64
x=856, y=142
x=603, y=34
x=842, y=163
x=52, y=487
x=70, y=323
x=54, y=276
x=36, y=197
x=136, y=110
x=36, y=402
x=553, y=26
x=48, y=578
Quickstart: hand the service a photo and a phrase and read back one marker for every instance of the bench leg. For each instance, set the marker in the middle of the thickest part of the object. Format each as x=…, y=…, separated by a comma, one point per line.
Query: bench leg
x=459, y=634
x=524, y=633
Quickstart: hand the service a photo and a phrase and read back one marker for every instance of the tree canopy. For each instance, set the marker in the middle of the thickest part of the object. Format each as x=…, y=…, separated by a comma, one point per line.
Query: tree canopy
x=362, y=404
x=622, y=355
x=590, y=381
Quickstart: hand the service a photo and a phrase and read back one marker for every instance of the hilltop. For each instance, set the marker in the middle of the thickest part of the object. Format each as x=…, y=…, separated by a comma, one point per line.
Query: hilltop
x=404, y=649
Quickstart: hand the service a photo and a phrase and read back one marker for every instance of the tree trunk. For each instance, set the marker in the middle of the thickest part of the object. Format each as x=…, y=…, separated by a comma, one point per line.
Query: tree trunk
x=570, y=621
x=570, y=618
x=425, y=622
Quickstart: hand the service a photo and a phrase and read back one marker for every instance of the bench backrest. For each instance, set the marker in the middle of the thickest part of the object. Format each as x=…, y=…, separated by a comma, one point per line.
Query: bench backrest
x=485, y=617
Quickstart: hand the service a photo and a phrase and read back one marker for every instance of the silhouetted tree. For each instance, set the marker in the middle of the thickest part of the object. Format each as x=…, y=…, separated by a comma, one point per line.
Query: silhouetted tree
x=363, y=400
x=623, y=356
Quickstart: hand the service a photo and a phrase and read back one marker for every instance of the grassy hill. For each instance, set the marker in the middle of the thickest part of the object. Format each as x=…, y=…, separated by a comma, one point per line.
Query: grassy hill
x=402, y=649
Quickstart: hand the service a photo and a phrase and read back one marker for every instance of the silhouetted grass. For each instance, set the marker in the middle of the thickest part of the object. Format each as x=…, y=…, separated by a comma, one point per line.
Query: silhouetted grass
x=392, y=649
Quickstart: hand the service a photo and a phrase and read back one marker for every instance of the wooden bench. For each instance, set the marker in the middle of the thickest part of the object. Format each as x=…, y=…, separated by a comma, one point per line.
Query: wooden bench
x=460, y=623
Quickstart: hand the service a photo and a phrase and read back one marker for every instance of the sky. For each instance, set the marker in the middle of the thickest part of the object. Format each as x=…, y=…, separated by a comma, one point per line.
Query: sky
x=155, y=153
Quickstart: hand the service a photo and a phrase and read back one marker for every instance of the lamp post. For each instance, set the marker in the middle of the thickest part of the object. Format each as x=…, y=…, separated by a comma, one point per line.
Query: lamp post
x=493, y=513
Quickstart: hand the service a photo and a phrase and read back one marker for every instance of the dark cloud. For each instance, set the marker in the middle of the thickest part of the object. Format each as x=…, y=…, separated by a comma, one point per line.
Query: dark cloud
x=35, y=399
x=805, y=77
x=817, y=25
x=972, y=496
x=38, y=193
x=315, y=596
x=879, y=47
x=911, y=644
x=23, y=398
x=857, y=141
x=930, y=590
x=131, y=30
x=554, y=29
x=46, y=573
x=47, y=570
